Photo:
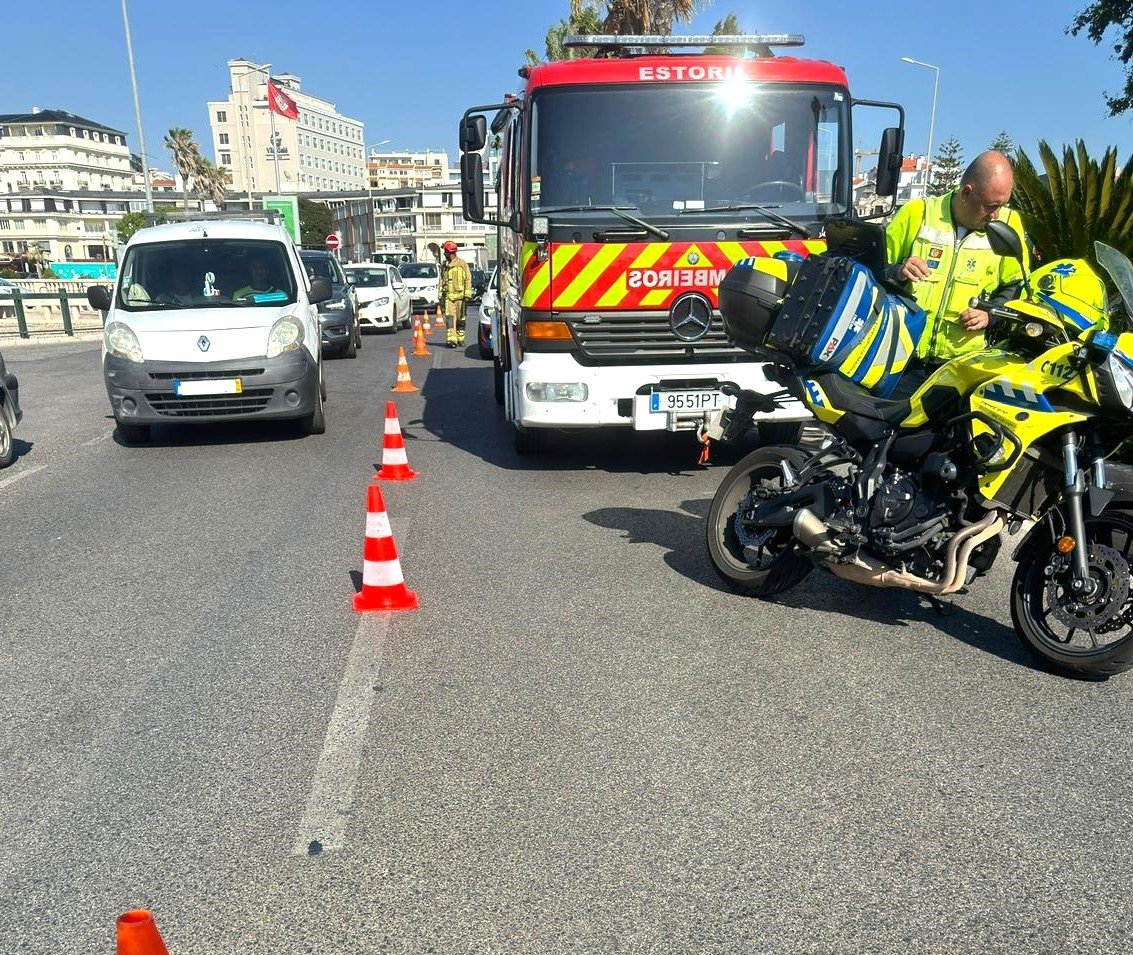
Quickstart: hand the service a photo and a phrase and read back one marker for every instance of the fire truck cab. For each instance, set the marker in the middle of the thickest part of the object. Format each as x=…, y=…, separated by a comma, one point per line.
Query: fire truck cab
x=629, y=183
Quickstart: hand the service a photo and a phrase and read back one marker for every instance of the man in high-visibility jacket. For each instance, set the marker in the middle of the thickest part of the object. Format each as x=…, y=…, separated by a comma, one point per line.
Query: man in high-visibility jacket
x=939, y=247
x=456, y=290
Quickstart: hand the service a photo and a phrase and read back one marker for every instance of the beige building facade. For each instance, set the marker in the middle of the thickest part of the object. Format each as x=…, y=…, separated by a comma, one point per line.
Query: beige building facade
x=408, y=170
x=54, y=149
x=320, y=151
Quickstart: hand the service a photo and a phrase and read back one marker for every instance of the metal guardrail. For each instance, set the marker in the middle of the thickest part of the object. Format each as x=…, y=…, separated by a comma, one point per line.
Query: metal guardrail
x=14, y=298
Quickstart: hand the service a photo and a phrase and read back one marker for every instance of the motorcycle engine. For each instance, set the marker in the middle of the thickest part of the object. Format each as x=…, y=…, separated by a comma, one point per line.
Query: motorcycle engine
x=905, y=515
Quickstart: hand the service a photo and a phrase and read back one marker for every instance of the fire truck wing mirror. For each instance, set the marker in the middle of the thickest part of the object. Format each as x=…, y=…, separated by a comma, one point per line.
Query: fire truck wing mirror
x=889, y=161
x=473, y=133
x=1004, y=240
x=472, y=183
x=500, y=120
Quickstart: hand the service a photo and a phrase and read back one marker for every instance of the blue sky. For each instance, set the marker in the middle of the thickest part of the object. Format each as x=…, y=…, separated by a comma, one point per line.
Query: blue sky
x=408, y=70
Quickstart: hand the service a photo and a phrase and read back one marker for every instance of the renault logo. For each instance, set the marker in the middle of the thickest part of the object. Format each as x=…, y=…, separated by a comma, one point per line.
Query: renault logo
x=691, y=317
x=203, y=343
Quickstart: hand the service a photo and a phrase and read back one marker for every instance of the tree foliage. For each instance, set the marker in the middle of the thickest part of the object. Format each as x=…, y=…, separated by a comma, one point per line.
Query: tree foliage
x=729, y=26
x=186, y=157
x=1069, y=205
x=314, y=223
x=947, y=168
x=1096, y=20
x=1003, y=143
x=592, y=17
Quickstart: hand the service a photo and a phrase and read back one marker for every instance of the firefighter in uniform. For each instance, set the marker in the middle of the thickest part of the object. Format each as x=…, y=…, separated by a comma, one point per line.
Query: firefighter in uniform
x=456, y=290
x=939, y=249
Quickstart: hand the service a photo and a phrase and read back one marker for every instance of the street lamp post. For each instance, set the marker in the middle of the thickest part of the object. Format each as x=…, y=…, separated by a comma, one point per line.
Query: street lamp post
x=138, y=111
x=370, y=196
x=931, y=119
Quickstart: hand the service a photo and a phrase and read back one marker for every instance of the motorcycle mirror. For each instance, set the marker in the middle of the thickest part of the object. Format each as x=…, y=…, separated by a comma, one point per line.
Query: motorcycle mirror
x=1004, y=240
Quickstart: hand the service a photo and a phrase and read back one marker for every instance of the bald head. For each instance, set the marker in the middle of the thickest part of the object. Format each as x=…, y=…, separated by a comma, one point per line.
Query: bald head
x=984, y=188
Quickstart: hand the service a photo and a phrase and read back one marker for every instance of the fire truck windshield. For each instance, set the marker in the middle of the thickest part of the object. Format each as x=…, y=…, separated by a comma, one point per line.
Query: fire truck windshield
x=667, y=149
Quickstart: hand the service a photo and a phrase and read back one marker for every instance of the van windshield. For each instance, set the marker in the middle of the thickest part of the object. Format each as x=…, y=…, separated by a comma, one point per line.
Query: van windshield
x=418, y=270
x=205, y=273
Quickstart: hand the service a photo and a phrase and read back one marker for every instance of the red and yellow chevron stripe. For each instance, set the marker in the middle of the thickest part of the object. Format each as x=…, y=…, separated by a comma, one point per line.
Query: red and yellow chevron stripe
x=620, y=276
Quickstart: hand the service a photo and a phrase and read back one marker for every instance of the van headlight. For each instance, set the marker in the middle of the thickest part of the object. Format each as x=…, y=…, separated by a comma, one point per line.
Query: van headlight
x=121, y=342
x=285, y=335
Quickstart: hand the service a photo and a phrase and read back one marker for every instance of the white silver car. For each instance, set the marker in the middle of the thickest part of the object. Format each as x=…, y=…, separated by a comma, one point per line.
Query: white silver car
x=383, y=296
x=423, y=279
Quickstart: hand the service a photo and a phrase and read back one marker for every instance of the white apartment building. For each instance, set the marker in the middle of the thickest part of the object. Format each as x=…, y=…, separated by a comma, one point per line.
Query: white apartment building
x=409, y=170
x=63, y=226
x=54, y=149
x=321, y=151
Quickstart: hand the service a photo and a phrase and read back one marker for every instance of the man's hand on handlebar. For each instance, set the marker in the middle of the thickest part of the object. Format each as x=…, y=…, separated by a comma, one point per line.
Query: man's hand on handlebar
x=974, y=319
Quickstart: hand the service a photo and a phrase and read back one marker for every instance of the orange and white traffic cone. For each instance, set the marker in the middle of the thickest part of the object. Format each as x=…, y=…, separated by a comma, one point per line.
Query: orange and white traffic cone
x=395, y=462
x=426, y=327
x=138, y=935
x=404, y=382
x=383, y=584
x=419, y=347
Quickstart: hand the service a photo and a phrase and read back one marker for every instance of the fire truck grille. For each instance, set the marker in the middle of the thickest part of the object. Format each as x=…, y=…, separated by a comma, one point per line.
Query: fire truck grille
x=647, y=337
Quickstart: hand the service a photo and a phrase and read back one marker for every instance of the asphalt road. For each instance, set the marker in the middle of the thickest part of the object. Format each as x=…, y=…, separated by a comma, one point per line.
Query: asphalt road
x=579, y=742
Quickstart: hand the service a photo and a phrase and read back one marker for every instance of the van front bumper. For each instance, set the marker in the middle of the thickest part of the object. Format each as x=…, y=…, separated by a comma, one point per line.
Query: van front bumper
x=146, y=392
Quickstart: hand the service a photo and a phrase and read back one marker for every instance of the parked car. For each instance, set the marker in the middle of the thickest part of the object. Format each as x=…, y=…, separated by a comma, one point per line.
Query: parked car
x=338, y=315
x=213, y=323
x=489, y=305
x=10, y=413
x=479, y=283
x=382, y=296
x=423, y=279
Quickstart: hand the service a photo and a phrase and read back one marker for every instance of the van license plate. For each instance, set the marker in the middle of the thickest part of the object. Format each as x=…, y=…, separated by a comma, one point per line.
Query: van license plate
x=663, y=402
x=211, y=386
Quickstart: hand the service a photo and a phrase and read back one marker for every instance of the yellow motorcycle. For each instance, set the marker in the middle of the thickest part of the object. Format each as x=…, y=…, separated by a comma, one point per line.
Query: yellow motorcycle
x=915, y=492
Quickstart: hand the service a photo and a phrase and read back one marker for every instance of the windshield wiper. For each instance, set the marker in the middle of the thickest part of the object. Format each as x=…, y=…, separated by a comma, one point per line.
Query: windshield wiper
x=617, y=210
x=768, y=211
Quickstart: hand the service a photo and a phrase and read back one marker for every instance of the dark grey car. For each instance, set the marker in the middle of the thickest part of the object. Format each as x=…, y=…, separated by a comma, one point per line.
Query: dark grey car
x=338, y=315
x=10, y=413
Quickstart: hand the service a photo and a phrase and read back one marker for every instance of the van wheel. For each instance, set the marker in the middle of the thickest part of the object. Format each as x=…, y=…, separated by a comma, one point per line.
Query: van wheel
x=133, y=433
x=316, y=421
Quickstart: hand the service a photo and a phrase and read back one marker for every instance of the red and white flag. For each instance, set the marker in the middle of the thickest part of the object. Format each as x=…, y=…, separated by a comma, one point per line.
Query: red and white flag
x=280, y=102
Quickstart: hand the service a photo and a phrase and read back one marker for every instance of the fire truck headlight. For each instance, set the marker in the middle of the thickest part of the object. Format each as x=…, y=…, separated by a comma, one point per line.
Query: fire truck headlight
x=540, y=226
x=557, y=391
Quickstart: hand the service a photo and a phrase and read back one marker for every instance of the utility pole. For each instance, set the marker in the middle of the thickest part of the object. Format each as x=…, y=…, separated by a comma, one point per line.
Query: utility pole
x=137, y=110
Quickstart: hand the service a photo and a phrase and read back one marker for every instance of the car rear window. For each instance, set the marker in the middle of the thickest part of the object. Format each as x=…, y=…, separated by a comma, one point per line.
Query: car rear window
x=418, y=270
x=368, y=278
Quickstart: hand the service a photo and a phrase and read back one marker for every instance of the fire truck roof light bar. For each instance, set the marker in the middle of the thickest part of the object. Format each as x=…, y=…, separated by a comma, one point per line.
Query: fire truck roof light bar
x=761, y=42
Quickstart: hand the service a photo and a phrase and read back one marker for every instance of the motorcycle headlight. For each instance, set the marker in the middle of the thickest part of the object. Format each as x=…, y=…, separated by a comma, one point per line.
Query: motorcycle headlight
x=1115, y=384
x=285, y=335
x=122, y=342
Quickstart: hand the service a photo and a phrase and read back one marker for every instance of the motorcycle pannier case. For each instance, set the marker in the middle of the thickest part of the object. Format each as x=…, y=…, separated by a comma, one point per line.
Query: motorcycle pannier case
x=750, y=296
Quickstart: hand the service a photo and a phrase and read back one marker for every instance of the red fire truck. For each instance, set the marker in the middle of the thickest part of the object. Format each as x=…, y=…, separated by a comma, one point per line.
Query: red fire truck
x=629, y=183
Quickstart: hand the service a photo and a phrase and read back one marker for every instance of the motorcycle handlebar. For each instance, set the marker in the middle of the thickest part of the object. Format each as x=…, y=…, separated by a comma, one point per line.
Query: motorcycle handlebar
x=993, y=311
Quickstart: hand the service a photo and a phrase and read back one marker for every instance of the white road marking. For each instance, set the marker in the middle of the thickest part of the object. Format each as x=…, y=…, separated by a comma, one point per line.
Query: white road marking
x=105, y=436
x=332, y=791
x=20, y=475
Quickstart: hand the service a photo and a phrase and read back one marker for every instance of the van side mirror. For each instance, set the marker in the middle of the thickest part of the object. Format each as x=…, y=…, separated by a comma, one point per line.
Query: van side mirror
x=1004, y=240
x=320, y=290
x=889, y=161
x=98, y=297
x=473, y=133
x=472, y=186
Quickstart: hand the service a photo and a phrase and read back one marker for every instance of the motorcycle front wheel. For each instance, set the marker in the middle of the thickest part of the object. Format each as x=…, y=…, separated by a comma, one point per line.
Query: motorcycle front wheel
x=1085, y=639
x=777, y=565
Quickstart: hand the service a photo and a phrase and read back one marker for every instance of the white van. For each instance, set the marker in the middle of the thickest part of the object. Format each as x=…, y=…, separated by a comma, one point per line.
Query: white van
x=212, y=320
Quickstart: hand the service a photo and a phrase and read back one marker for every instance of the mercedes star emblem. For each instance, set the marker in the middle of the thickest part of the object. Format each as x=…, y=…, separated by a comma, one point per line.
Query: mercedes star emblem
x=203, y=343
x=693, y=258
x=691, y=317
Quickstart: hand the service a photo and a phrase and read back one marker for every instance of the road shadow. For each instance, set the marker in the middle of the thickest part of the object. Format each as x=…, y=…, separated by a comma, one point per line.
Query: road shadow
x=683, y=536
x=243, y=432
x=460, y=410
x=20, y=448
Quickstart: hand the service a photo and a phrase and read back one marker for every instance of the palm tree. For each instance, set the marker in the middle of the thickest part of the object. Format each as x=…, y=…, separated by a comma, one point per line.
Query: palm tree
x=1075, y=202
x=646, y=16
x=218, y=185
x=210, y=182
x=186, y=156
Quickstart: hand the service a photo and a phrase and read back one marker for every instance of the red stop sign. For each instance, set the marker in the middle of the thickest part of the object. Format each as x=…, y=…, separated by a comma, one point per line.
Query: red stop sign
x=332, y=242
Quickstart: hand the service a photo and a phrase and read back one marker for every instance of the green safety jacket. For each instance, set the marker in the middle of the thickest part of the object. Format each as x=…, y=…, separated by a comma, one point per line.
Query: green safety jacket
x=960, y=269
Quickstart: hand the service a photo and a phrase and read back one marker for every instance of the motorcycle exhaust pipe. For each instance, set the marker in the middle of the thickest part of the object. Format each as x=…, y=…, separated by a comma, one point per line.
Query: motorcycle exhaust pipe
x=810, y=531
